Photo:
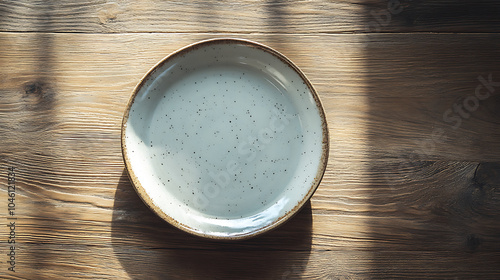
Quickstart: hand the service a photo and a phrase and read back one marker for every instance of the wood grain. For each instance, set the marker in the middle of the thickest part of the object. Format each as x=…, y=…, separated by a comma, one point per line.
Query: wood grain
x=306, y=17
x=79, y=216
x=406, y=193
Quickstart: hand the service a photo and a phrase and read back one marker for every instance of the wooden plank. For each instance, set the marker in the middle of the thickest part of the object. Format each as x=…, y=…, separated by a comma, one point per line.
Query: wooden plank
x=123, y=16
x=386, y=90
x=127, y=262
x=442, y=204
x=384, y=208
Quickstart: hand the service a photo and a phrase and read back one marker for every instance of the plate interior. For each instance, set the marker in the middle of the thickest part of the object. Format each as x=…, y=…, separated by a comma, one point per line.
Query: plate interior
x=224, y=139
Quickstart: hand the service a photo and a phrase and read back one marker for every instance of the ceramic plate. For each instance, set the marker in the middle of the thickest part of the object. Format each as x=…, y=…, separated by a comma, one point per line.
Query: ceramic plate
x=225, y=139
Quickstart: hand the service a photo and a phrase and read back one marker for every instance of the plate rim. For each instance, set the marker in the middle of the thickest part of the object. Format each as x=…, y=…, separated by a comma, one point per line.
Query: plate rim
x=134, y=179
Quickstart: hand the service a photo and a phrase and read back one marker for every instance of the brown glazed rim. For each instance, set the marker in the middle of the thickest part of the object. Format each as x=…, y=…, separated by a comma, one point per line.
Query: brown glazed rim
x=140, y=189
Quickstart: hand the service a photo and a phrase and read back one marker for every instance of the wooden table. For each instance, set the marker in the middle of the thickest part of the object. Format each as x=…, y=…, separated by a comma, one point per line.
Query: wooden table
x=411, y=91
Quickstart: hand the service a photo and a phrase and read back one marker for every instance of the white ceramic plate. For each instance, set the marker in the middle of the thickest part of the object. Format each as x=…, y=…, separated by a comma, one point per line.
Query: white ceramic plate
x=225, y=139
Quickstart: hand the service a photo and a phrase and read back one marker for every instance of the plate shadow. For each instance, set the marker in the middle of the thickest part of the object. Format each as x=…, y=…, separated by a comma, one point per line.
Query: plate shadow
x=150, y=248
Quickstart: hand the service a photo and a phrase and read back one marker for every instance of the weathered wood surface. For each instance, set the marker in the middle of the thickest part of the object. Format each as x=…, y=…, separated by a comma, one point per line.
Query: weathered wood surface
x=245, y=16
x=405, y=194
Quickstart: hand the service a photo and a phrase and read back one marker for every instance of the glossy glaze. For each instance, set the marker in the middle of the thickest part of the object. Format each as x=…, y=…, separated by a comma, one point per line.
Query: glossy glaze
x=225, y=139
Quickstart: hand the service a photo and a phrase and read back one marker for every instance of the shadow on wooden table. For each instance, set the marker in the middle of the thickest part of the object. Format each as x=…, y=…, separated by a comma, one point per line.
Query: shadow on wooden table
x=150, y=248
x=435, y=192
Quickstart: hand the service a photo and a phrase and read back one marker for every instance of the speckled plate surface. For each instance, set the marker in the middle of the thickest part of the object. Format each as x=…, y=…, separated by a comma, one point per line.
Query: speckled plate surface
x=225, y=139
